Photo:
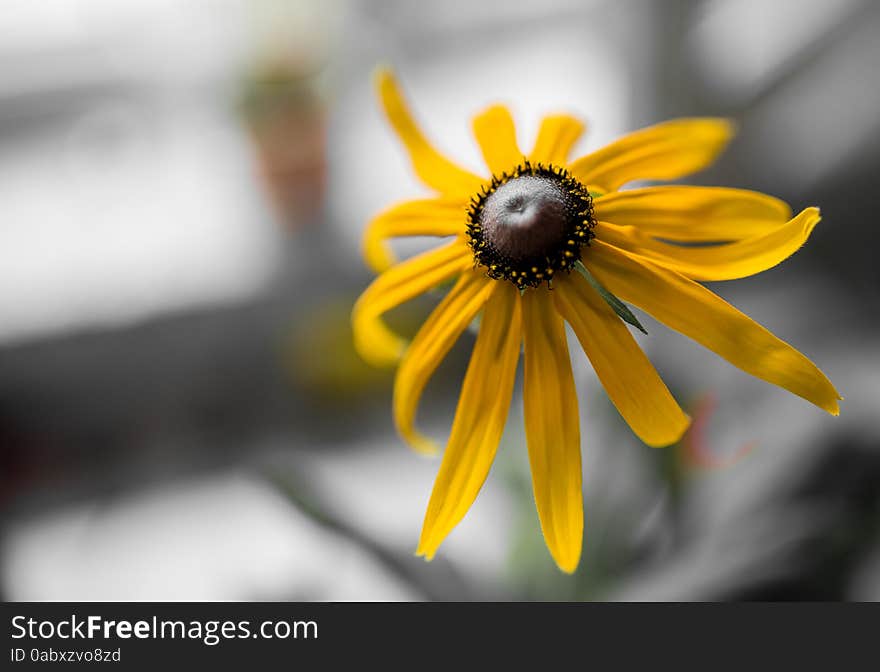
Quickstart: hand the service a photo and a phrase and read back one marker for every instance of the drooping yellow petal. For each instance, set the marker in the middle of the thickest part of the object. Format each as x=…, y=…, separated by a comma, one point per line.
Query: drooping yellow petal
x=496, y=135
x=693, y=213
x=696, y=312
x=665, y=151
x=426, y=217
x=629, y=378
x=373, y=340
x=479, y=419
x=434, y=340
x=434, y=169
x=556, y=137
x=552, y=430
x=739, y=259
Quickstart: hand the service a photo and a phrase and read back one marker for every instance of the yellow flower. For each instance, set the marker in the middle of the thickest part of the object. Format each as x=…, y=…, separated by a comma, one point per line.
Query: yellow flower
x=515, y=238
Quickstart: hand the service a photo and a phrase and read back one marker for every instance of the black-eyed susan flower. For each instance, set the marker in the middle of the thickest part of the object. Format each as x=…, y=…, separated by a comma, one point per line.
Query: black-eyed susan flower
x=542, y=240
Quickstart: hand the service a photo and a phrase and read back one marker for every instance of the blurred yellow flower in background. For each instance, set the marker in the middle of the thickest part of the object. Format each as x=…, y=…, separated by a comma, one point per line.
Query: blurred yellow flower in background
x=516, y=237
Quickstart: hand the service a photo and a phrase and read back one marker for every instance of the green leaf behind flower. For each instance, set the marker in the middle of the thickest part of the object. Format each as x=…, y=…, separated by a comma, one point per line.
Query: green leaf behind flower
x=616, y=304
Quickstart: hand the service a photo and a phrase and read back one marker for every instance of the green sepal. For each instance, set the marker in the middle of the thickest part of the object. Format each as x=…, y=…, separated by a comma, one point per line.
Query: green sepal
x=616, y=304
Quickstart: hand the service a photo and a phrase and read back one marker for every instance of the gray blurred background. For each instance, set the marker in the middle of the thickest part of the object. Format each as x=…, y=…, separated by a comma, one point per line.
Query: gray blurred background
x=183, y=188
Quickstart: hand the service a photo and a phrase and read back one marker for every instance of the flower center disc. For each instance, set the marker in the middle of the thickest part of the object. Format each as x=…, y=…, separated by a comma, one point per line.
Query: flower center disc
x=526, y=226
x=525, y=217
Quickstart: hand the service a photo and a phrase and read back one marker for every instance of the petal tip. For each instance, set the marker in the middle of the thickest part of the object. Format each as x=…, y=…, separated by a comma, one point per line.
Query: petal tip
x=568, y=564
x=812, y=216
x=375, y=254
x=834, y=408
x=376, y=259
x=377, y=262
x=383, y=73
x=384, y=356
x=388, y=90
x=669, y=439
x=384, y=360
x=829, y=404
x=731, y=126
x=724, y=129
x=492, y=109
x=421, y=444
x=423, y=555
x=425, y=552
x=718, y=132
x=721, y=128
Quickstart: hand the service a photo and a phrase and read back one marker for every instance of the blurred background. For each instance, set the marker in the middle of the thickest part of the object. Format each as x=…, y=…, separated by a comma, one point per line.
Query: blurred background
x=183, y=188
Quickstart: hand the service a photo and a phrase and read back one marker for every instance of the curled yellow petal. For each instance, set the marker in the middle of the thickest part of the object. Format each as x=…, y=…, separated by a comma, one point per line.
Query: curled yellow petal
x=434, y=169
x=693, y=310
x=552, y=429
x=629, y=378
x=665, y=151
x=556, y=137
x=738, y=259
x=496, y=134
x=426, y=217
x=693, y=213
x=434, y=340
x=372, y=339
x=479, y=419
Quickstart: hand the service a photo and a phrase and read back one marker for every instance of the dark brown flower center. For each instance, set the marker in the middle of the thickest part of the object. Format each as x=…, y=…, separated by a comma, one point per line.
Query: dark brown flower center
x=525, y=217
x=526, y=226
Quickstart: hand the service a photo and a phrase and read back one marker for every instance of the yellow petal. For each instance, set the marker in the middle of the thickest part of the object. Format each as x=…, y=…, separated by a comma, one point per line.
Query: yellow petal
x=434, y=169
x=434, y=340
x=739, y=259
x=373, y=340
x=479, y=418
x=693, y=310
x=693, y=213
x=427, y=217
x=496, y=135
x=556, y=137
x=665, y=151
x=552, y=431
x=629, y=378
